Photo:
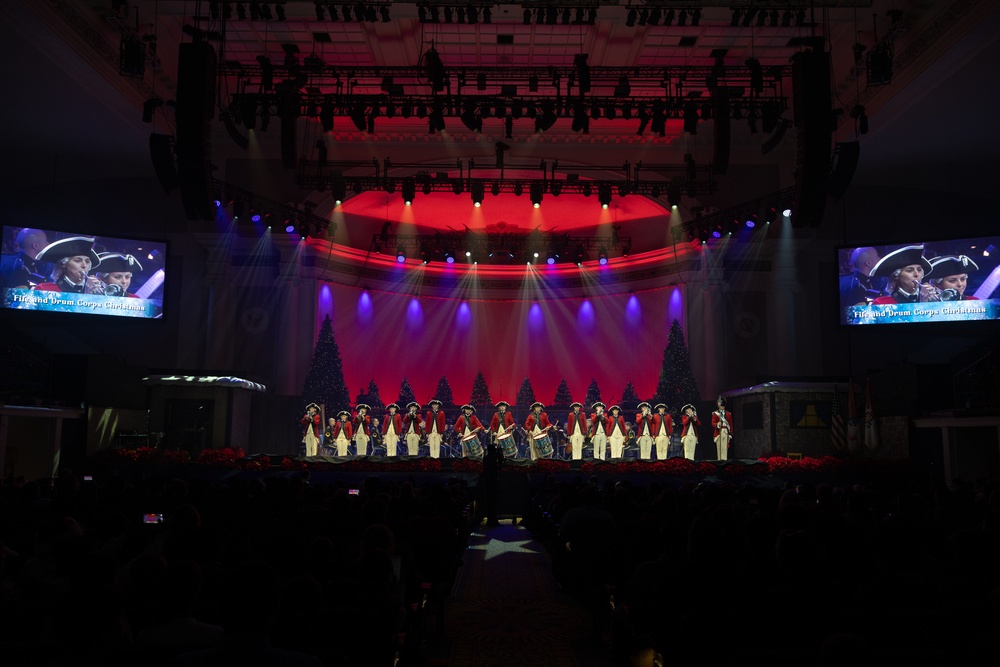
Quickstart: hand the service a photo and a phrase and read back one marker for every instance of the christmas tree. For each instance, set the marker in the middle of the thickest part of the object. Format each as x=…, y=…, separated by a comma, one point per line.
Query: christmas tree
x=593, y=394
x=480, y=398
x=525, y=395
x=325, y=380
x=562, y=398
x=405, y=395
x=444, y=394
x=676, y=386
x=373, y=399
x=629, y=402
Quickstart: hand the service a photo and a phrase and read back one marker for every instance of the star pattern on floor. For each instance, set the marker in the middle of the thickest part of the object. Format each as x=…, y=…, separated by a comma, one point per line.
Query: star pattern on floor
x=494, y=547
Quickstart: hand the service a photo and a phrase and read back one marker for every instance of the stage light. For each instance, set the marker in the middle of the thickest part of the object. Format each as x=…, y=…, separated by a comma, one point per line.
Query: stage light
x=359, y=119
x=604, y=195
x=674, y=195
x=384, y=12
x=449, y=256
x=787, y=212
x=587, y=189
x=279, y=9
x=602, y=256
x=487, y=15
x=468, y=253
x=581, y=123
x=756, y=75
x=555, y=188
x=630, y=18
x=495, y=188
x=696, y=16
x=988, y=250
x=691, y=118
x=255, y=217
x=551, y=257
x=289, y=228
x=400, y=254
x=409, y=190
x=535, y=192
x=654, y=16
x=435, y=122
x=518, y=188
x=471, y=119
x=477, y=193
x=547, y=118
x=456, y=186
x=527, y=17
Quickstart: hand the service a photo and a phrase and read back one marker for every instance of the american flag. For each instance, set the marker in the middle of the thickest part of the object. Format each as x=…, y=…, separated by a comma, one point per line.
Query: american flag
x=837, y=428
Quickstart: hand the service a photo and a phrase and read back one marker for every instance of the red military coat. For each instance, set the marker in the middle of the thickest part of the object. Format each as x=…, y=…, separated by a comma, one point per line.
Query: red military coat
x=716, y=421
x=397, y=422
x=640, y=421
x=316, y=421
x=686, y=424
x=603, y=420
x=474, y=423
x=412, y=419
x=609, y=425
x=543, y=422
x=576, y=423
x=347, y=426
x=430, y=421
x=508, y=421
x=660, y=422
x=364, y=423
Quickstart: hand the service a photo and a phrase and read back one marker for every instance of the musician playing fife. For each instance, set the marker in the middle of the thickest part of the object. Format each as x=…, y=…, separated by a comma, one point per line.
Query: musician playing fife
x=502, y=422
x=663, y=428
x=617, y=432
x=722, y=429
x=362, y=429
x=467, y=424
x=312, y=421
x=413, y=428
x=689, y=430
x=644, y=430
x=434, y=425
x=392, y=427
x=536, y=422
x=342, y=432
x=599, y=428
x=576, y=428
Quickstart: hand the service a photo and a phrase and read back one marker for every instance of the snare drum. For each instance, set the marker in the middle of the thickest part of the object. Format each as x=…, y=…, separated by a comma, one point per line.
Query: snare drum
x=544, y=444
x=507, y=443
x=472, y=444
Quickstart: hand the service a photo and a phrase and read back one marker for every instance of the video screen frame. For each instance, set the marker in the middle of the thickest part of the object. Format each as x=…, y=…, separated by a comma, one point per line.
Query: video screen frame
x=943, y=280
x=51, y=270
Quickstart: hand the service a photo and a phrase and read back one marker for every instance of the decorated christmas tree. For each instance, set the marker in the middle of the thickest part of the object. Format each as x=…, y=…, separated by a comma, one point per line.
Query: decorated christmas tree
x=444, y=394
x=525, y=395
x=630, y=401
x=480, y=398
x=405, y=395
x=593, y=394
x=562, y=398
x=373, y=399
x=325, y=380
x=676, y=386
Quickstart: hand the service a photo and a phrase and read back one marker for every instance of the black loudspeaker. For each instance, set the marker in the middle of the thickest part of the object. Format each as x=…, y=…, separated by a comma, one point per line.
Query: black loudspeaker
x=195, y=110
x=721, y=133
x=161, y=151
x=813, y=115
x=288, y=114
x=846, y=154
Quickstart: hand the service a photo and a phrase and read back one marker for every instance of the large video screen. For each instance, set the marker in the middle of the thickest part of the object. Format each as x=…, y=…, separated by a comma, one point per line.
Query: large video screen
x=80, y=272
x=932, y=281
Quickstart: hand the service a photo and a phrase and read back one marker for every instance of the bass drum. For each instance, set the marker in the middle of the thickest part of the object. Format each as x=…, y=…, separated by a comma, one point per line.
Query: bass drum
x=472, y=445
x=507, y=443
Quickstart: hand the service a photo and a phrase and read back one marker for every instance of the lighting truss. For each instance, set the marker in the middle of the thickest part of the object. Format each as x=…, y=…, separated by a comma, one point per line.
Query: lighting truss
x=724, y=218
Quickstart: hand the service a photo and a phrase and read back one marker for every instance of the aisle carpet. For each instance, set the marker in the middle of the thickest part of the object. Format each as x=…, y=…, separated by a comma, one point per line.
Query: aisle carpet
x=506, y=609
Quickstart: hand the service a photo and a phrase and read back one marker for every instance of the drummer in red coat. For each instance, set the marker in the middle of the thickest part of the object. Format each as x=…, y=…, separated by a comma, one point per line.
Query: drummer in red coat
x=342, y=432
x=392, y=429
x=466, y=425
x=434, y=425
x=663, y=428
x=537, y=423
x=502, y=424
x=576, y=429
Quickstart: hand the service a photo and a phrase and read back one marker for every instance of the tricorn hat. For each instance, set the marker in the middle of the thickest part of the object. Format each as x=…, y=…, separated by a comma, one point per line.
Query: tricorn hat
x=951, y=265
x=116, y=261
x=615, y=407
x=343, y=412
x=412, y=404
x=392, y=405
x=469, y=407
x=686, y=406
x=897, y=259
x=499, y=403
x=660, y=405
x=367, y=407
x=575, y=404
x=644, y=404
x=436, y=402
x=313, y=405
x=596, y=403
x=539, y=404
x=70, y=247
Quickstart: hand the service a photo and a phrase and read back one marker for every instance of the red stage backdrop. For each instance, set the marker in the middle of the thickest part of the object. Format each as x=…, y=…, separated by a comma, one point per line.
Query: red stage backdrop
x=612, y=339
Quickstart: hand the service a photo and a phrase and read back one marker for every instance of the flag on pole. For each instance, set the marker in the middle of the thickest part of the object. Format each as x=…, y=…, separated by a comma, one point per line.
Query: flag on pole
x=852, y=419
x=871, y=427
x=837, y=432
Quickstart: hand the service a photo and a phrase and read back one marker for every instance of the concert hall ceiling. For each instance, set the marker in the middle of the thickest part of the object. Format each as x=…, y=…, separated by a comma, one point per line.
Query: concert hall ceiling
x=79, y=114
